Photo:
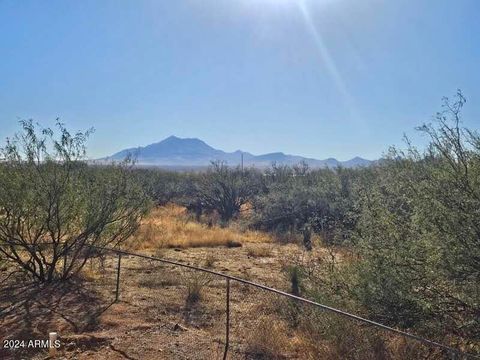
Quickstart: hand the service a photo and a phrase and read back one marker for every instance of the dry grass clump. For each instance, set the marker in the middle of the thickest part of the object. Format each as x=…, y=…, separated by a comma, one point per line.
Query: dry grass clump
x=159, y=280
x=195, y=281
x=210, y=260
x=268, y=340
x=171, y=227
x=259, y=251
x=89, y=274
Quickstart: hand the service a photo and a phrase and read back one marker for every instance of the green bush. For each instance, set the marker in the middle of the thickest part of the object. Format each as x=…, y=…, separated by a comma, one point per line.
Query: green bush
x=54, y=206
x=419, y=233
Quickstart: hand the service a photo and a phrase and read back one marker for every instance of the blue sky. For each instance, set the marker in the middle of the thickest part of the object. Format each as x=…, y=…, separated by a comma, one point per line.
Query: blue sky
x=319, y=78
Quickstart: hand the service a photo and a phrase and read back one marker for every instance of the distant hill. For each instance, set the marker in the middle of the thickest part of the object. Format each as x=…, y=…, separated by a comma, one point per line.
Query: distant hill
x=192, y=152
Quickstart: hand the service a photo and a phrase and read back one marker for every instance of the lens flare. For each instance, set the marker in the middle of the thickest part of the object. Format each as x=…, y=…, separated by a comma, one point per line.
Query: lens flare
x=327, y=58
x=322, y=49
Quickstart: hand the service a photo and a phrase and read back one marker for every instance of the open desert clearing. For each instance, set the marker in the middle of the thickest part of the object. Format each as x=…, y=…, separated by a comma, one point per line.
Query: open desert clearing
x=154, y=318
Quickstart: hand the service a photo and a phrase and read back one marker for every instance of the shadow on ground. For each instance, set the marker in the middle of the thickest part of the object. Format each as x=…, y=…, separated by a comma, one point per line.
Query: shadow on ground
x=30, y=311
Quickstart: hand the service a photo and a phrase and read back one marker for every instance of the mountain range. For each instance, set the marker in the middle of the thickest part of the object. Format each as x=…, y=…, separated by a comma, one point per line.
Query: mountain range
x=191, y=152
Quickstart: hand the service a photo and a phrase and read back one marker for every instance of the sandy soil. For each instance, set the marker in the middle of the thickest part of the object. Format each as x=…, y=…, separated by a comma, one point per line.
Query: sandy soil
x=154, y=319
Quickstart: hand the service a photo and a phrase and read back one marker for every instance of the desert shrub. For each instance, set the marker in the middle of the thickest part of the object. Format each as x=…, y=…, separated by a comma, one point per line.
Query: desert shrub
x=295, y=276
x=301, y=201
x=330, y=337
x=414, y=260
x=419, y=233
x=315, y=279
x=54, y=207
x=225, y=190
x=195, y=281
x=162, y=186
x=286, y=308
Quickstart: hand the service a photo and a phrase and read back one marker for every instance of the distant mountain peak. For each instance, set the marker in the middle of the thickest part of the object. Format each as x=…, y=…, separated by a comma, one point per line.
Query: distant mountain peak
x=186, y=152
x=171, y=138
x=176, y=139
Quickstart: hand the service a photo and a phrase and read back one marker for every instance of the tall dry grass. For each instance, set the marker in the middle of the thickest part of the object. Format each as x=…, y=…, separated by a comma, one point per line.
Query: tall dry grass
x=171, y=227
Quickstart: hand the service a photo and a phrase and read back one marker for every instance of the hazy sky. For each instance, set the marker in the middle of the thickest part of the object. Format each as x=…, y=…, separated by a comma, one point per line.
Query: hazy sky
x=320, y=78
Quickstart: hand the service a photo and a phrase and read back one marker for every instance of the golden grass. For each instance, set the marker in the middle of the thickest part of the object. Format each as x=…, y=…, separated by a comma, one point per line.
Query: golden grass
x=171, y=227
x=262, y=251
x=268, y=340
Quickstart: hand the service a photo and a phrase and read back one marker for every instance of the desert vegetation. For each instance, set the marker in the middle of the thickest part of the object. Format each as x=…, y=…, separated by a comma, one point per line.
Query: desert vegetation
x=407, y=226
x=173, y=226
x=396, y=242
x=54, y=207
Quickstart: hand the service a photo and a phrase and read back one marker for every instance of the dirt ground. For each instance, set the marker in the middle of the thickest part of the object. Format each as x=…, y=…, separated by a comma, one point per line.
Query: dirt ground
x=169, y=312
x=155, y=317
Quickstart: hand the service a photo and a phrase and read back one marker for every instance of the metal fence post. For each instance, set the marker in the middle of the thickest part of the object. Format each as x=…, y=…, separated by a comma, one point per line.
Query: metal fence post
x=227, y=330
x=446, y=349
x=117, y=291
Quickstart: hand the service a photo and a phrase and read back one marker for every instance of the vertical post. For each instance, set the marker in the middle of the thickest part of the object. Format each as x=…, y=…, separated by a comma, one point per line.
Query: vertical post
x=227, y=330
x=52, y=344
x=117, y=291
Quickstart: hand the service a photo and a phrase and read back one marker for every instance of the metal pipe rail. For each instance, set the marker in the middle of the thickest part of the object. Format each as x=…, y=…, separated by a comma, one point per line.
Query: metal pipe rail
x=452, y=351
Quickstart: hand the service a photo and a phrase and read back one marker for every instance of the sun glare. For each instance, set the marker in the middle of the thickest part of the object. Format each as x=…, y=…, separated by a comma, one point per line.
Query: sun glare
x=305, y=8
x=289, y=2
